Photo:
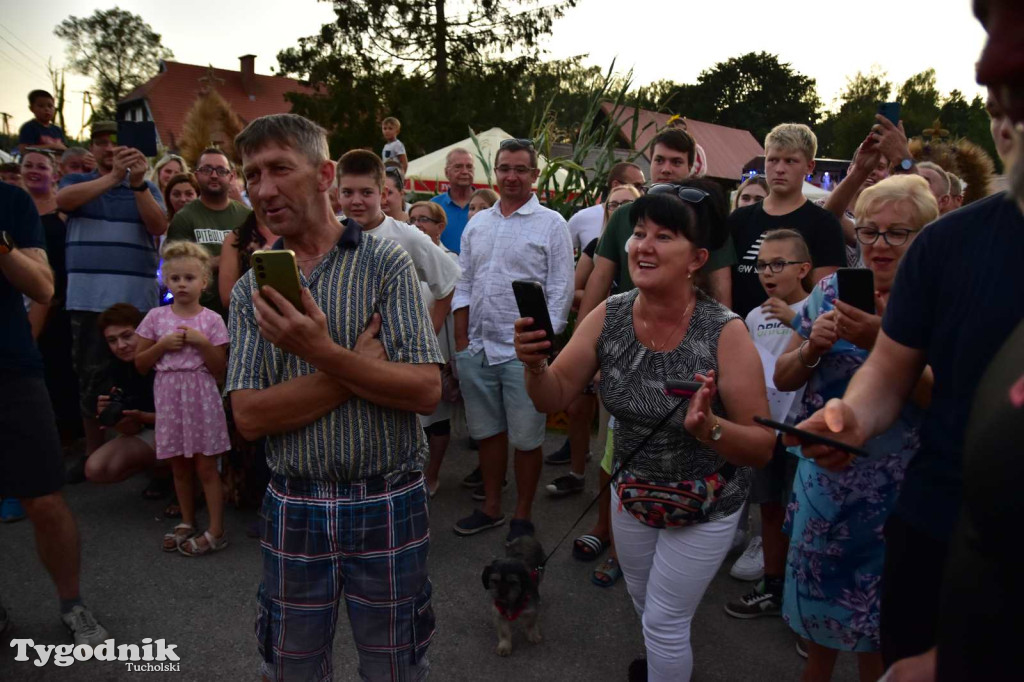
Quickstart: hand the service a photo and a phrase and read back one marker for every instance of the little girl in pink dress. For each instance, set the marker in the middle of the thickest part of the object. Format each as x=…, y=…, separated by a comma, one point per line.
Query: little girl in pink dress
x=187, y=345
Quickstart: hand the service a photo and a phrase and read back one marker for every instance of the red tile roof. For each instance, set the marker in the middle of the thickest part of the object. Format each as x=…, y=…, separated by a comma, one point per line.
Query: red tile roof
x=727, y=149
x=172, y=92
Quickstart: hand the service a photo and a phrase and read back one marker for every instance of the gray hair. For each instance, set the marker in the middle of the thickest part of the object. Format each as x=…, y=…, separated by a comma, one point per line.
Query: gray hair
x=73, y=153
x=288, y=130
x=940, y=171
x=457, y=150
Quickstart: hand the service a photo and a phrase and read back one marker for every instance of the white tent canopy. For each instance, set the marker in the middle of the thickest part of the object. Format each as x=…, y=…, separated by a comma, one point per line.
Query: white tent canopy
x=813, y=192
x=426, y=174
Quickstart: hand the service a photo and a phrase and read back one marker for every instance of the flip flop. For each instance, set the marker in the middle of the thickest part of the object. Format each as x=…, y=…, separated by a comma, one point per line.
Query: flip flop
x=607, y=574
x=588, y=547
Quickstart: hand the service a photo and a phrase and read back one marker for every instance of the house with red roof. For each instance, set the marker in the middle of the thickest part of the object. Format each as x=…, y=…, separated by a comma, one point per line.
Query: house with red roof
x=167, y=97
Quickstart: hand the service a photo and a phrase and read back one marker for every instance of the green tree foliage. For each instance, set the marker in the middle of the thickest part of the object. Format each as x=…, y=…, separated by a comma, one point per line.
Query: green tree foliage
x=753, y=91
x=841, y=133
x=117, y=48
x=920, y=100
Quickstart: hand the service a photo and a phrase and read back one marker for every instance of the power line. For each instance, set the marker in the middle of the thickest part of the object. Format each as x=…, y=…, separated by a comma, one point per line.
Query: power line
x=16, y=37
x=18, y=65
x=31, y=61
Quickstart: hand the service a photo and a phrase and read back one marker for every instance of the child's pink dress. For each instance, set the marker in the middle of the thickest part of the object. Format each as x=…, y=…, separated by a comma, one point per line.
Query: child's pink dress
x=189, y=409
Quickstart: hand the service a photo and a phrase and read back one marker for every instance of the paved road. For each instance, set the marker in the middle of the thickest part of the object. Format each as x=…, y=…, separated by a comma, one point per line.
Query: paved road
x=206, y=606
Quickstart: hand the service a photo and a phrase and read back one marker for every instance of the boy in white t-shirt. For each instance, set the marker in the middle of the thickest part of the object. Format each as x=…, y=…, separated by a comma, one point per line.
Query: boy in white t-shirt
x=394, y=151
x=360, y=176
x=783, y=267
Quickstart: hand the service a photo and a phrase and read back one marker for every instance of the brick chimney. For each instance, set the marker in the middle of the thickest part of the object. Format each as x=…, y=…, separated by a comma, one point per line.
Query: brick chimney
x=247, y=63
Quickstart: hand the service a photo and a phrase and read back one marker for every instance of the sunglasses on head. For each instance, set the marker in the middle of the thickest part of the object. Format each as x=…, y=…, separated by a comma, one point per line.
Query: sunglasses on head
x=516, y=142
x=41, y=150
x=690, y=195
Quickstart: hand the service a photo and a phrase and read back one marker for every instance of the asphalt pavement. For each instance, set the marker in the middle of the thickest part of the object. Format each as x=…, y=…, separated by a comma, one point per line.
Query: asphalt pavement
x=206, y=606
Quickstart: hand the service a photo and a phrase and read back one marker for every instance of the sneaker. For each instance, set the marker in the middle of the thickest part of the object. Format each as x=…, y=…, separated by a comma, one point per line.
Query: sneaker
x=518, y=528
x=559, y=456
x=566, y=485
x=759, y=602
x=84, y=627
x=473, y=480
x=11, y=510
x=479, y=495
x=750, y=564
x=477, y=522
x=801, y=647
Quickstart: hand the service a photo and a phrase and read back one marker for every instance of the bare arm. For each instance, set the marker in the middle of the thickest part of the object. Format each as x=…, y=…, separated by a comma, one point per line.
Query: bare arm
x=29, y=272
x=214, y=357
x=439, y=312
x=720, y=283
x=149, y=352
x=287, y=406
x=598, y=285
x=842, y=196
x=741, y=385
x=552, y=389
x=152, y=214
x=230, y=268
x=461, y=317
x=404, y=160
x=37, y=314
x=75, y=196
x=882, y=385
x=790, y=371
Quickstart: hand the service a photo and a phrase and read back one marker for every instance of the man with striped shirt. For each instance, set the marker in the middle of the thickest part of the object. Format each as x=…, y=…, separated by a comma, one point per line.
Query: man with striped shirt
x=335, y=389
x=114, y=214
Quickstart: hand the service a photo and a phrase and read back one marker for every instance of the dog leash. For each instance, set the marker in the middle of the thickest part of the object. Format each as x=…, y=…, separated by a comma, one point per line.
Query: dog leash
x=614, y=475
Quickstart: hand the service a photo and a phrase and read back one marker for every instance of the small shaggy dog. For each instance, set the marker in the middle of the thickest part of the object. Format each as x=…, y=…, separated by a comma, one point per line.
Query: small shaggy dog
x=513, y=583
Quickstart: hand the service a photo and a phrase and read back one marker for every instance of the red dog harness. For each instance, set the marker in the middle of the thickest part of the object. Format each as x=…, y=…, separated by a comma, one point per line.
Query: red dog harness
x=514, y=614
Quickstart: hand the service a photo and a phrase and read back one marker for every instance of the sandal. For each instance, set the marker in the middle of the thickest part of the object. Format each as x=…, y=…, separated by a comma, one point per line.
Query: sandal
x=588, y=547
x=181, y=533
x=607, y=574
x=193, y=547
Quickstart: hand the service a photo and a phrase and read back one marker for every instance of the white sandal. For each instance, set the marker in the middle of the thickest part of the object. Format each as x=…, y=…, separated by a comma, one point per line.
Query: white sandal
x=174, y=539
x=192, y=548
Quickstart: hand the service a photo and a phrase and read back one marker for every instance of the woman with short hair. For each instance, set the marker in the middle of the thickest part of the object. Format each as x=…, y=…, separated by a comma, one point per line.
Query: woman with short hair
x=835, y=519
x=682, y=462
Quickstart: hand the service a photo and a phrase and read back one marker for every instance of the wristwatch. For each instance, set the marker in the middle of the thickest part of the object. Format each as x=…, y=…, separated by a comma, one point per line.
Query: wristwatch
x=6, y=242
x=715, y=434
x=141, y=188
x=903, y=166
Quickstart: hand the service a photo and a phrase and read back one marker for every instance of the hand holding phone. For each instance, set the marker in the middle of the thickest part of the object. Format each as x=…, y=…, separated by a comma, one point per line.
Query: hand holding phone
x=891, y=110
x=277, y=268
x=823, y=436
x=682, y=389
x=531, y=303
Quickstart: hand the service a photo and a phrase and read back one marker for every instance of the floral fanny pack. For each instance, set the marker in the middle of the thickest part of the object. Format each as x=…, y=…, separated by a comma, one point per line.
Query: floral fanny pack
x=673, y=504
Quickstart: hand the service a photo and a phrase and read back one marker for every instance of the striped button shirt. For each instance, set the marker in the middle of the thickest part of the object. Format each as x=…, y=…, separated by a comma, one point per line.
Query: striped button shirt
x=358, y=439
x=111, y=257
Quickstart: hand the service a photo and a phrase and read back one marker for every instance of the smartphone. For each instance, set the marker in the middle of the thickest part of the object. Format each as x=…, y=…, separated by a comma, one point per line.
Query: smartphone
x=139, y=135
x=891, y=110
x=682, y=389
x=531, y=302
x=857, y=288
x=277, y=268
x=811, y=438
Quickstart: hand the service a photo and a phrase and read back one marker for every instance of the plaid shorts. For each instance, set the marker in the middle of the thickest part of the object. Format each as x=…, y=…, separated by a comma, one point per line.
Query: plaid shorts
x=366, y=541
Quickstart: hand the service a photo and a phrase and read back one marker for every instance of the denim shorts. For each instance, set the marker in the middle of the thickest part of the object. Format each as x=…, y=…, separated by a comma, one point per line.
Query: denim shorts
x=496, y=401
x=363, y=543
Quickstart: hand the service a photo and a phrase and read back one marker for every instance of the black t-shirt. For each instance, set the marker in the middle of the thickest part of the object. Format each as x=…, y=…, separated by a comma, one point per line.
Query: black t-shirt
x=137, y=389
x=977, y=632
x=958, y=295
x=32, y=132
x=590, y=248
x=56, y=234
x=820, y=229
x=18, y=352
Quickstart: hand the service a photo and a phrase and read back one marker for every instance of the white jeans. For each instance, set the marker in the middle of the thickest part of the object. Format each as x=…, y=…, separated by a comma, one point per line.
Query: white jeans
x=667, y=573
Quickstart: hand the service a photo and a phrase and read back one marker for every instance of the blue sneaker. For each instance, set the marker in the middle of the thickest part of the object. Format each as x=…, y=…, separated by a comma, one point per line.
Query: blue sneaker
x=11, y=510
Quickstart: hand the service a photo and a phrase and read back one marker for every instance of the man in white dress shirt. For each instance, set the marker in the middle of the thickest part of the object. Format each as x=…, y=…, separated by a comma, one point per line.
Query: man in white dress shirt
x=516, y=239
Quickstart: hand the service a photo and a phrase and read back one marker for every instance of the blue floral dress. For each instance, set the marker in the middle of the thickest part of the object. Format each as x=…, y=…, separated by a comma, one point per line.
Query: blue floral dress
x=835, y=519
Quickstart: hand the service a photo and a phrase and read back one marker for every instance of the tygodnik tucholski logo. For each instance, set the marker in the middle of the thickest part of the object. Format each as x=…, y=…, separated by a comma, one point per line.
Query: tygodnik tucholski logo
x=152, y=656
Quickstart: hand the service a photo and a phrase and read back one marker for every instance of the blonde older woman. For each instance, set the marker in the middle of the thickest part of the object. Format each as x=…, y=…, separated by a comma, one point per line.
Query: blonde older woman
x=835, y=518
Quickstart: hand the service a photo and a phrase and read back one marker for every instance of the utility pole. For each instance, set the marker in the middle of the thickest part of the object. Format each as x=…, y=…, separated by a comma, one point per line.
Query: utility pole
x=7, y=125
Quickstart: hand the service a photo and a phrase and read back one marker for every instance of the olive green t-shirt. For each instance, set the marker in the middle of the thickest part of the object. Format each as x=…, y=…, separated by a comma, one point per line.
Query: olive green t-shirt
x=613, y=247
x=208, y=228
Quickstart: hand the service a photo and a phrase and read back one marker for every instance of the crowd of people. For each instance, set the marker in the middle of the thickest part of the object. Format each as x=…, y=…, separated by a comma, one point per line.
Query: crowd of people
x=135, y=324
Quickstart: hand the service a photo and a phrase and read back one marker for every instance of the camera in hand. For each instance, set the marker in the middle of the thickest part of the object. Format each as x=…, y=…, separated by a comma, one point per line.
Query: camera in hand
x=114, y=411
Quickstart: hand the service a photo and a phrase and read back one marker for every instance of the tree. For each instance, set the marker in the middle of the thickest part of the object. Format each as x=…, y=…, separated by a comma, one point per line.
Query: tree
x=753, y=91
x=842, y=132
x=117, y=48
x=920, y=100
x=432, y=38
x=969, y=120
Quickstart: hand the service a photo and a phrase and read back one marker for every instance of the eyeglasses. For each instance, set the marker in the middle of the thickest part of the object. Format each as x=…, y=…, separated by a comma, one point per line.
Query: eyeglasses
x=775, y=266
x=614, y=206
x=518, y=170
x=894, y=237
x=209, y=170
x=516, y=142
x=690, y=195
x=419, y=220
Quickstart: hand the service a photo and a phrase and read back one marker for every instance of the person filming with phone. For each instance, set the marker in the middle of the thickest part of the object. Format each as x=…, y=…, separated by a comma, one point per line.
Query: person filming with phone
x=835, y=560
x=665, y=329
x=335, y=385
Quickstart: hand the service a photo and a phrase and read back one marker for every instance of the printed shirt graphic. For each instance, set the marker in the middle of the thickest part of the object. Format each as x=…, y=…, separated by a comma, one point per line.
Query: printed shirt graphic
x=392, y=150
x=771, y=338
x=197, y=223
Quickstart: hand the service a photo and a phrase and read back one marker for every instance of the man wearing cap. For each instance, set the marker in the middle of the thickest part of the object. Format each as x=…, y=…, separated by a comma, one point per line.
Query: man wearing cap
x=113, y=216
